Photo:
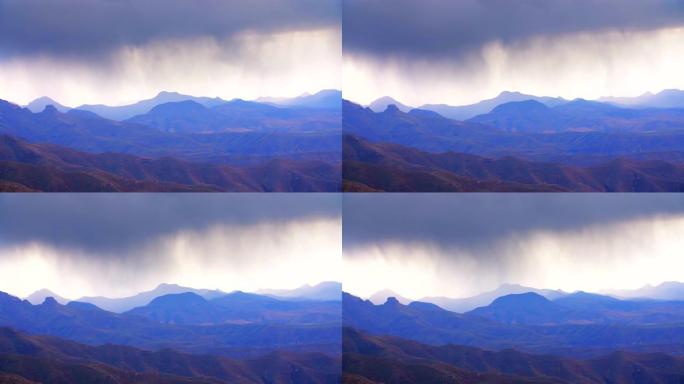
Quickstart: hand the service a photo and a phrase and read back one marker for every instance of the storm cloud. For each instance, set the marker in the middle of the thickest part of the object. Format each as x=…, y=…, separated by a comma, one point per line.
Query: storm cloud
x=121, y=51
x=476, y=220
x=119, y=244
x=461, y=52
x=449, y=29
x=462, y=244
x=96, y=27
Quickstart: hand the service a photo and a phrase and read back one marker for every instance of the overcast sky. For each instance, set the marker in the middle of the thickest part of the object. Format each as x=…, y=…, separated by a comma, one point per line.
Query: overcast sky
x=120, y=244
x=458, y=245
x=121, y=51
x=459, y=52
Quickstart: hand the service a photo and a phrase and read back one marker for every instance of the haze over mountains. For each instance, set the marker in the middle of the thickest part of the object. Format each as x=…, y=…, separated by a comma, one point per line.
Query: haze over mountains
x=325, y=99
x=188, y=336
x=174, y=142
x=330, y=290
x=325, y=291
x=667, y=291
x=516, y=142
x=669, y=98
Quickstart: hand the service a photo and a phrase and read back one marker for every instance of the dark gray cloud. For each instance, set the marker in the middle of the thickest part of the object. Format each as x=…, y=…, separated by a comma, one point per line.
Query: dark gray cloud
x=95, y=27
x=449, y=29
x=474, y=221
x=109, y=223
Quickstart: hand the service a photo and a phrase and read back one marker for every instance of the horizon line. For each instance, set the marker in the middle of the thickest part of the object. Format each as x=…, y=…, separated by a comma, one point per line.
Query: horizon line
x=131, y=102
x=304, y=285
x=599, y=99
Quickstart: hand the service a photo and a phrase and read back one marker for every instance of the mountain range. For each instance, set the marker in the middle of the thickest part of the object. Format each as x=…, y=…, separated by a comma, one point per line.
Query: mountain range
x=483, y=299
x=575, y=325
x=522, y=337
x=668, y=291
x=325, y=291
x=283, y=325
x=40, y=295
x=195, y=144
x=195, y=336
x=44, y=359
x=141, y=299
x=374, y=359
x=381, y=296
x=525, y=145
x=127, y=111
x=325, y=99
x=465, y=112
x=669, y=98
x=49, y=167
x=378, y=166
x=382, y=103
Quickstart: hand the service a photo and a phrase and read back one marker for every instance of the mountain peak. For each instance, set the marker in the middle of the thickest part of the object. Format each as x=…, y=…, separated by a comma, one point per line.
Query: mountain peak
x=185, y=298
x=520, y=298
x=178, y=107
x=43, y=99
x=50, y=301
x=39, y=105
x=166, y=286
x=525, y=106
x=49, y=109
x=392, y=301
x=509, y=94
x=383, y=103
x=43, y=291
x=167, y=93
x=41, y=295
x=391, y=108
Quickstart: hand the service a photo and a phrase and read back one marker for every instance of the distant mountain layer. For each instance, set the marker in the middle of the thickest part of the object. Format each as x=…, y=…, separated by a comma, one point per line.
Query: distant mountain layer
x=579, y=308
x=54, y=360
x=39, y=104
x=124, y=304
x=230, y=325
x=46, y=167
x=84, y=131
x=672, y=98
x=485, y=106
x=670, y=290
x=325, y=99
x=395, y=360
x=127, y=111
x=483, y=299
x=669, y=98
x=382, y=296
x=392, y=167
x=239, y=308
x=519, y=146
x=236, y=116
x=39, y=296
x=384, y=102
x=327, y=290
x=579, y=115
x=573, y=325
x=429, y=131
